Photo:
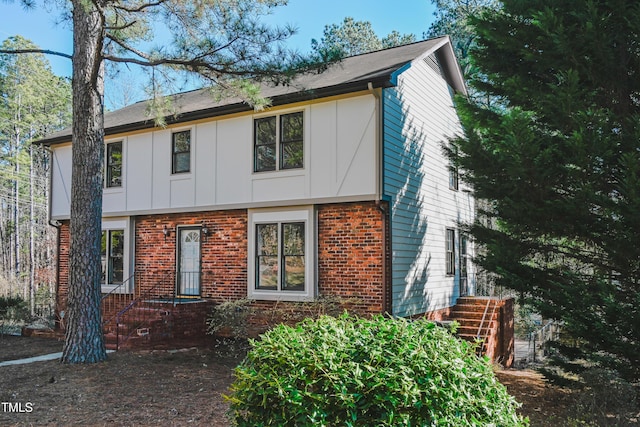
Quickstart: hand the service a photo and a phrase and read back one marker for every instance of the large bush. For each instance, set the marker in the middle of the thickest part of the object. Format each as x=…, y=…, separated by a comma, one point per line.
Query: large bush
x=351, y=371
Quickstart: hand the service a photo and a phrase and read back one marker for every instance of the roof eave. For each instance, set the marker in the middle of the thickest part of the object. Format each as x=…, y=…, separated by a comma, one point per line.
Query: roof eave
x=300, y=96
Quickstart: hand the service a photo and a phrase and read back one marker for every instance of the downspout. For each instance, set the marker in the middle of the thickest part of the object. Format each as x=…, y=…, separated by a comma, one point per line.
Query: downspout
x=380, y=204
x=55, y=224
x=378, y=139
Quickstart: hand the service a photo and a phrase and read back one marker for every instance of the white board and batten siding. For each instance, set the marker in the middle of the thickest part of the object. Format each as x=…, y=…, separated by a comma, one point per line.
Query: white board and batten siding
x=419, y=117
x=339, y=164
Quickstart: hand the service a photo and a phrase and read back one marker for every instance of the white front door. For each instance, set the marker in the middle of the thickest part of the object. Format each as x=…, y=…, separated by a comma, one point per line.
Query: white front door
x=189, y=262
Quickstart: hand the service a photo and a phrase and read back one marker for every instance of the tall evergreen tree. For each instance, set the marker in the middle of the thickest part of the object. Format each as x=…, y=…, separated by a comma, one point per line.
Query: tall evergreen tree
x=353, y=37
x=33, y=101
x=452, y=18
x=222, y=41
x=560, y=159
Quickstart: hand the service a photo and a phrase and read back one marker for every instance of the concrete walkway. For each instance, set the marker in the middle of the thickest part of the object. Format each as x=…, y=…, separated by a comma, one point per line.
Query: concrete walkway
x=51, y=356
x=42, y=358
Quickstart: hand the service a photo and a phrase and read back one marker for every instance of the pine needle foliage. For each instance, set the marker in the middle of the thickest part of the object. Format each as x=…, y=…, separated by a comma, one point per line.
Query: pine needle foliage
x=558, y=157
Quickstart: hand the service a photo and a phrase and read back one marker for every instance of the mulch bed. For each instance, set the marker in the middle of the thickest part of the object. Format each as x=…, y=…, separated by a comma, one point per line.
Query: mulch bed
x=161, y=387
x=172, y=387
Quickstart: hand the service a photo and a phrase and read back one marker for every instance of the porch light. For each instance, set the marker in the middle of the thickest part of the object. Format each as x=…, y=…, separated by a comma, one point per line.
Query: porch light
x=165, y=231
x=205, y=230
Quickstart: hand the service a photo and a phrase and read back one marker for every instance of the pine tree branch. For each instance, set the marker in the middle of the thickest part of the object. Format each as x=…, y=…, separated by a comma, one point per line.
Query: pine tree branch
x=196, y=64
x=121, y=27
x=192, y=64
x=141, y=8
x=43, y=51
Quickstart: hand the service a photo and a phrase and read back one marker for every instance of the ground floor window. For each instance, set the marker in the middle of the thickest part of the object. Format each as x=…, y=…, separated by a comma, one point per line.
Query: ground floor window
x=464, y=285
x=112, y=256
x=450, y=252
x=281, y=254
x=116, y=255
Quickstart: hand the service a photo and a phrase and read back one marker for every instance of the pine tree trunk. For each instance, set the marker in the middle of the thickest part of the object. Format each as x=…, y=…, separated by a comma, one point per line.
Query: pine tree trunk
x=32, y=224
x=84, y=341
x=15, y=241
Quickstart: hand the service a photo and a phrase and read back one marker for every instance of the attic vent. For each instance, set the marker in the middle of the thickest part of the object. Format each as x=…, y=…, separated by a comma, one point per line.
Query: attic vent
x=433, y=63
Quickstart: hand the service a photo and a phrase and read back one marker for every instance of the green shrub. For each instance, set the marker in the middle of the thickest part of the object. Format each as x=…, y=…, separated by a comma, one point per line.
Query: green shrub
x=13, y=309
x=350, y=371
x=232, y=315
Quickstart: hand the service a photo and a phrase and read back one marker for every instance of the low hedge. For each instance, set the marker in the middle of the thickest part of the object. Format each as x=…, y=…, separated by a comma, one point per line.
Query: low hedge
x=351, y=371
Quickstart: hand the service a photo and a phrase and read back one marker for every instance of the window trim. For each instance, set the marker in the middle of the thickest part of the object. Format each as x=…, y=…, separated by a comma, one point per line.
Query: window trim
x=108, y=166
x=177, y=285
x=450, y=251
x=279, y=144
x=108, y=254
x=304, y=215
x=274, y=145
x=463, y=263
x=174, y=154
x=454, y=173
x=125, y=225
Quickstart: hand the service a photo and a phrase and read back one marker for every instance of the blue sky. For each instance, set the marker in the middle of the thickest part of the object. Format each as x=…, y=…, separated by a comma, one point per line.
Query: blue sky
x=41, y=26
x=309, y=16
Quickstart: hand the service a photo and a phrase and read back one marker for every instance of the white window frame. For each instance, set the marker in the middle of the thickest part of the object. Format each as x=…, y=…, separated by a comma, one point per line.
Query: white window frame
x=110, y=224
x=181, y=176
x=454, y=174
x=268, y=216
x=279, y=142
x=450, y=251
x=173, y=154
x=119, y=188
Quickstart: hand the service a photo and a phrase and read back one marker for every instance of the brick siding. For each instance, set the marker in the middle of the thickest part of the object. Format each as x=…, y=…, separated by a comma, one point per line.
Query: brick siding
x=351, y=253
x=223, y=251
x=350, y=264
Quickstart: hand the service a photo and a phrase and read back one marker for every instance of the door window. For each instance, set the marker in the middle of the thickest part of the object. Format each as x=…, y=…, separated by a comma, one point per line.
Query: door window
x=189, y=262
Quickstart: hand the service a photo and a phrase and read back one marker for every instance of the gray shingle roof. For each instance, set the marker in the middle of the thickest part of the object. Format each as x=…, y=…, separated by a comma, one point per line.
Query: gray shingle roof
x=349, y=75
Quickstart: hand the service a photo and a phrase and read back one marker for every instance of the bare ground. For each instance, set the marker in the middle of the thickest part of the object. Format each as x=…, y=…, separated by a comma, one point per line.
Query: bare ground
x=170, y=387
x=147, y=388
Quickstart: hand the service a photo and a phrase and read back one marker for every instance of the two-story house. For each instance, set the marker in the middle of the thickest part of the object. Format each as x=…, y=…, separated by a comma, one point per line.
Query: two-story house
x=340, y=188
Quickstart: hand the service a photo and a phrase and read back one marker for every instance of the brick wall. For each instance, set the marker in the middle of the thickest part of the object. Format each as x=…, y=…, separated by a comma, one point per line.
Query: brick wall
x=223, y=251
x=351, y=254
x=350, y=261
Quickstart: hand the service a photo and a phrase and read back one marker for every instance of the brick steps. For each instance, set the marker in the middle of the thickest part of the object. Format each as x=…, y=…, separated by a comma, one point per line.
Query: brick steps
x=158, y=324
x=481, y=318
x=475, y=331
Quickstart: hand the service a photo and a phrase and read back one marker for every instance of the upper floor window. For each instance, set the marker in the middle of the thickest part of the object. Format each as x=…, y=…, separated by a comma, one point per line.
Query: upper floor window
x=113, y=167
x=453, y=173
x=279, y=142
x=181, y=152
